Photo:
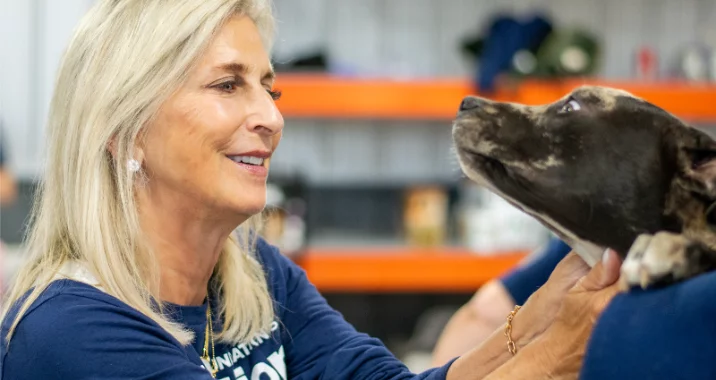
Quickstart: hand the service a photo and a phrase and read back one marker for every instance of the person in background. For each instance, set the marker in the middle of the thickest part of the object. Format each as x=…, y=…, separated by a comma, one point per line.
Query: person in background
x=489, y=306
x=143, y=258
x=8, y=185
x=8, y=195
x=662, y=333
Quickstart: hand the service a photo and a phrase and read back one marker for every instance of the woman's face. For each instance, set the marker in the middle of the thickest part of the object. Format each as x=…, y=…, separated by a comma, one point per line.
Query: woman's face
x=211, y=142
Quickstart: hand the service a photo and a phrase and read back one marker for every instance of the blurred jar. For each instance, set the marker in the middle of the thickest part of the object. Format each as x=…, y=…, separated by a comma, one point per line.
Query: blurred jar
x=284, y=221
x=490, y=225
x=425, y=216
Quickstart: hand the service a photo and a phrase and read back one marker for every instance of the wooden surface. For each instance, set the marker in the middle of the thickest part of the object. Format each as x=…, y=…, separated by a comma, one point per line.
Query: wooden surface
x=403, y=269
x=322, y=96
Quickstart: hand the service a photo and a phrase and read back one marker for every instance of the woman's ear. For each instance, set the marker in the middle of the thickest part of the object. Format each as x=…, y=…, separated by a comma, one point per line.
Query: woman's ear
x=112, y=146
x=137, y=152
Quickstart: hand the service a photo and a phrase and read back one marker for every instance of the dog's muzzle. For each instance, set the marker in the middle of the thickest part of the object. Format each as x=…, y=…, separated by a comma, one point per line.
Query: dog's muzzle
x=470, y=103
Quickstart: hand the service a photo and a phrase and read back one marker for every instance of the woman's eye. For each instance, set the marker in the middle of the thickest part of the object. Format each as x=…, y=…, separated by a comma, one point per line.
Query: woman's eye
x=571, y=106
x=275, y=95
x=229, y=86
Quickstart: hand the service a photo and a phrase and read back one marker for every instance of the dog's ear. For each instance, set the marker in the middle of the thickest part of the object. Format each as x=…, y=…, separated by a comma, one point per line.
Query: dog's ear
x=698, y=162
x=703, y=169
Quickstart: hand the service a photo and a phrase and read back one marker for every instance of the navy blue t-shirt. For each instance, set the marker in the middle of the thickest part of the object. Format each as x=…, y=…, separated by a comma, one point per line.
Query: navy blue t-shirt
x=666, y=333
x=75, y=331
x=655, y=334
x=525, y=279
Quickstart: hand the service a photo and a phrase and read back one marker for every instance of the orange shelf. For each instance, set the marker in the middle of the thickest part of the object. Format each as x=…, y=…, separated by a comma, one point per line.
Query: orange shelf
x=323, y=96
x=403, y=269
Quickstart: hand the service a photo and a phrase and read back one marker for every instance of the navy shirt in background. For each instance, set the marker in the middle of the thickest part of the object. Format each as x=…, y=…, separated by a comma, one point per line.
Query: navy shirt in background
x=658, y=334
x=666, y=333
x=525, y=279
x=75, y=331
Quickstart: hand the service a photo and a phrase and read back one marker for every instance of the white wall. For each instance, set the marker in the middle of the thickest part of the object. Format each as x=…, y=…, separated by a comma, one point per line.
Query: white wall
x=16, y=84
x=33, y=35
x=370, y=36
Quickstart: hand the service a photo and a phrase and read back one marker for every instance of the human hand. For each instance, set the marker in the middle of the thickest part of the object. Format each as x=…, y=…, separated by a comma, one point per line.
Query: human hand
x=559, y=350
x=538, y=313
x=564, y=342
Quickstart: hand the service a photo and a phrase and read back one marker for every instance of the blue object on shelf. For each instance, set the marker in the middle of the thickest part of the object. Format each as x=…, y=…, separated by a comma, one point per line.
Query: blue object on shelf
x=505, y=37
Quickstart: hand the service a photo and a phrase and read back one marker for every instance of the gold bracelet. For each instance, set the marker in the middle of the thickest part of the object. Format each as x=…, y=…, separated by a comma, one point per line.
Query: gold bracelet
x=511, y=347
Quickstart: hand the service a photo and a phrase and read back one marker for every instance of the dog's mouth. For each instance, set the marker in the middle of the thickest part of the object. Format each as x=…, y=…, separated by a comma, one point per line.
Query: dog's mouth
x=484, y=164
x=507, y=182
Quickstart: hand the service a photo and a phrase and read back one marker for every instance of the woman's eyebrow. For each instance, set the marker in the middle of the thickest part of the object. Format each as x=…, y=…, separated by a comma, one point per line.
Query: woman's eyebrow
x=269, y=76
x=234, y=67
x=241, y=69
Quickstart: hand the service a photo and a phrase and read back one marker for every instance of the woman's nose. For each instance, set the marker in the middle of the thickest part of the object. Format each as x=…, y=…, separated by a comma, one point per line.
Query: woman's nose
x=266, y=118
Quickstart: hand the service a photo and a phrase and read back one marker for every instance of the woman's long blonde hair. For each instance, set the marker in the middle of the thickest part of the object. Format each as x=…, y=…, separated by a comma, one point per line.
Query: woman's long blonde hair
x=125, y=59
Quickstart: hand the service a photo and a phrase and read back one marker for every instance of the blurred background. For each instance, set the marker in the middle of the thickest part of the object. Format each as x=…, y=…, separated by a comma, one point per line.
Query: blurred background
x=365, y=192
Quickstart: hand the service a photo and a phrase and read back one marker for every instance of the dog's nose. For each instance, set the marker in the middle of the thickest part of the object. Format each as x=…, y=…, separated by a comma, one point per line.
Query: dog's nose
x=470, y=102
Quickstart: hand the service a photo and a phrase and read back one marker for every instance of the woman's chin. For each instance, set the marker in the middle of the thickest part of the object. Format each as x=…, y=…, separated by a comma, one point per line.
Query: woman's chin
x=248, y=209
x=243, y=201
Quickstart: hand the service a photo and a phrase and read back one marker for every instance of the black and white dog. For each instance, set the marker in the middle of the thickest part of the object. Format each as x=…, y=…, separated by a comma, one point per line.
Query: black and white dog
x=602, y=169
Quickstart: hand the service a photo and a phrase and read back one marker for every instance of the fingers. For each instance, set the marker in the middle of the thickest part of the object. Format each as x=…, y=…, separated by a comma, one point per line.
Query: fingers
x=569, y=270
x=604, y=273
x=573, y=265
x=612, y=267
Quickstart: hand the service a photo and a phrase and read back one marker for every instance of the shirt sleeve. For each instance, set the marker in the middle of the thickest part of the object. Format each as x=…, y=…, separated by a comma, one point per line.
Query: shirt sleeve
x=524, y=280
x=665, y=333
x=73, y=337
x=321, y=344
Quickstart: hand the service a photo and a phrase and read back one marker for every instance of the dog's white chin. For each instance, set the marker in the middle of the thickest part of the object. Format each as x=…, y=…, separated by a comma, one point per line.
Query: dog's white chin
x=588, y=251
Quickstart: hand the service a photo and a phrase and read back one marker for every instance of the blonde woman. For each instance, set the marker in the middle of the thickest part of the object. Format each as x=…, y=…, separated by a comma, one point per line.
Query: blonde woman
x=143, y=262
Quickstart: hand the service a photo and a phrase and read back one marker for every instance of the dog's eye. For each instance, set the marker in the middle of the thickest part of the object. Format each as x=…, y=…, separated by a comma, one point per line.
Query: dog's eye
x=571, y=106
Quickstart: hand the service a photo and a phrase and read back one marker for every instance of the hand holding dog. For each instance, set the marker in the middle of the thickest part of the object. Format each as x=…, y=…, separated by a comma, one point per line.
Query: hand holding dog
x=580, y=309
x=558, y=351
x=538, y=313
x=551, y=330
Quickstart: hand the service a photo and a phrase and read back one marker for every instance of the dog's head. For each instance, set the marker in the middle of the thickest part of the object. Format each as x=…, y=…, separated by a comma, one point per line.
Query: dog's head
x=598, y=166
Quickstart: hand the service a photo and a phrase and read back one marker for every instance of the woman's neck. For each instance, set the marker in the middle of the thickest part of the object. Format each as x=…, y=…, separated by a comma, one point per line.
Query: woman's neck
x=187, y=244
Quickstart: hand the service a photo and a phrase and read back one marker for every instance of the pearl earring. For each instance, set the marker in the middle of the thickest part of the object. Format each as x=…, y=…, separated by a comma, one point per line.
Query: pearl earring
x=133, y=165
